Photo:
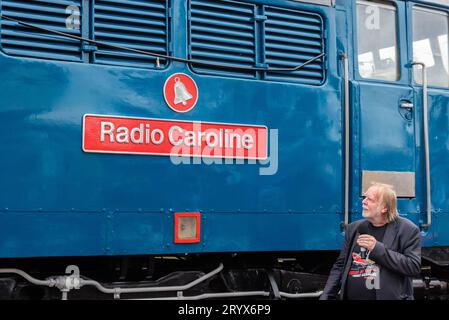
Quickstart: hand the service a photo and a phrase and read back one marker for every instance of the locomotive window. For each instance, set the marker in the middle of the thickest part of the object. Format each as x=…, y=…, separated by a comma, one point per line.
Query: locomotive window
x=377, y=41
x=430, y=31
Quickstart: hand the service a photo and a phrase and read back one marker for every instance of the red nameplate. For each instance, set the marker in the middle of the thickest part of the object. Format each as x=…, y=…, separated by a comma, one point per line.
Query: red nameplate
x=114, y=134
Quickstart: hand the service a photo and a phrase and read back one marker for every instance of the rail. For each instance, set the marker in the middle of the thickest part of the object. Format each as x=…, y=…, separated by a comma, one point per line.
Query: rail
x=158, y=55
x=344, y=57
x=426, y=143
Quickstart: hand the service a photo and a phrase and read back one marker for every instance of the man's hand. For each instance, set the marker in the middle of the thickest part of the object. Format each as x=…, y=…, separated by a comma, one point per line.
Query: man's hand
x=366, y=241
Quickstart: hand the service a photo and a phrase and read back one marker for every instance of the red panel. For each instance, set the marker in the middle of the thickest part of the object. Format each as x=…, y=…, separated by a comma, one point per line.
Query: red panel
x=198, y=227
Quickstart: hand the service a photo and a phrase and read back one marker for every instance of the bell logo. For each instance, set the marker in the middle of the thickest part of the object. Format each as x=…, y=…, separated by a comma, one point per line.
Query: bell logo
x=180, y=92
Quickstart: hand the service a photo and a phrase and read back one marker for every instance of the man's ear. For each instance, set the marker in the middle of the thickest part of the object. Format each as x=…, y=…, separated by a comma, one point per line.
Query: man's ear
x=384, y=210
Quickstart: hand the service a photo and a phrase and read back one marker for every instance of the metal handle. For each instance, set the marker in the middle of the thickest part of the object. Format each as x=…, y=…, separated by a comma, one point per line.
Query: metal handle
x=406, y=105
x=426, y=143
x=344, y=57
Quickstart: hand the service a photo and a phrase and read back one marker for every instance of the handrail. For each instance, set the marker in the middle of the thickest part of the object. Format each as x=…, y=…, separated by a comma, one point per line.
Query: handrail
x=163, y=56
x=344, y=57
x=426, y=143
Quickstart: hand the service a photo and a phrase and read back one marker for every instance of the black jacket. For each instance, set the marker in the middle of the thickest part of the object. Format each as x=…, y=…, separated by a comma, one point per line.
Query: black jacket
x=398, y=258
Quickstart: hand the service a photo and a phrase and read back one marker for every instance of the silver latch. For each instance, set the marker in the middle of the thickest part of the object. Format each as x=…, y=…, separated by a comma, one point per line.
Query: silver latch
x=406, y=105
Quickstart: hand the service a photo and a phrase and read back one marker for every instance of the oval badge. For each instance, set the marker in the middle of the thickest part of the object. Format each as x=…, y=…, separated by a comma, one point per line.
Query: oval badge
x=180, y=92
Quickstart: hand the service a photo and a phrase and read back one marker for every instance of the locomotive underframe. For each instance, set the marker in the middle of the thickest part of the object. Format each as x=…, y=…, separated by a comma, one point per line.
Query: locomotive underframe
x=273, y=275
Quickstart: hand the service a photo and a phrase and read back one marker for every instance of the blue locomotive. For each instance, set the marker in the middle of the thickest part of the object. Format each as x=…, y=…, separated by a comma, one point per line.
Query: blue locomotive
x=214, y=148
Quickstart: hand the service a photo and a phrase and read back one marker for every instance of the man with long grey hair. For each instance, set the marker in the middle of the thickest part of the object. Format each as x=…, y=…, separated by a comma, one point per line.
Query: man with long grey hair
x=380, y=254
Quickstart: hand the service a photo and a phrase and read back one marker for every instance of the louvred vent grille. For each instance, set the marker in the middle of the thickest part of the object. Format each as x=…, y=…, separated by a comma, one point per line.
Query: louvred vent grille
x=247, y=35
x=18, y=40
x=140, y=25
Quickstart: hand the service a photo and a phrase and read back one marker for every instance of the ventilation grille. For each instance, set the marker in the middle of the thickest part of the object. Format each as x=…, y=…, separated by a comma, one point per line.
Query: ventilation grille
x=292, y=38
x=22, y=41
x=234, y=33
x=137, y=24
x=223, y=32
